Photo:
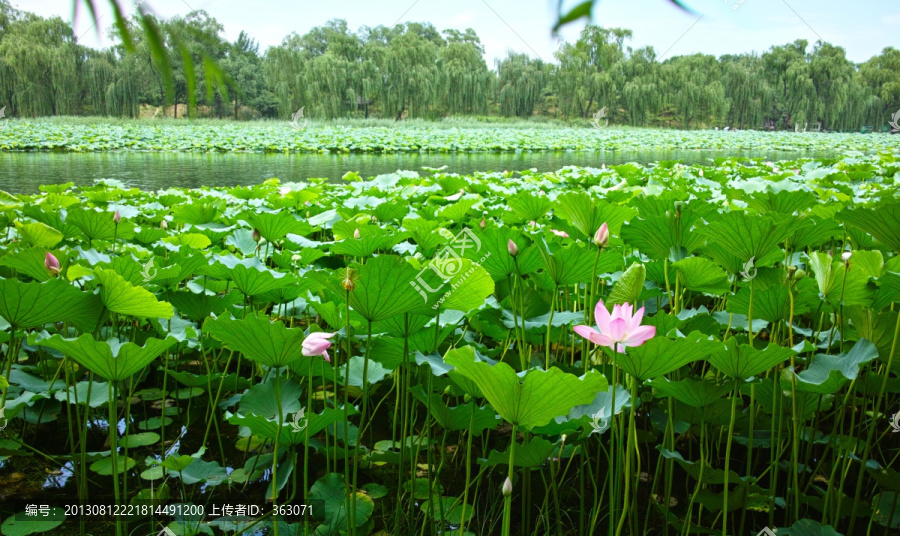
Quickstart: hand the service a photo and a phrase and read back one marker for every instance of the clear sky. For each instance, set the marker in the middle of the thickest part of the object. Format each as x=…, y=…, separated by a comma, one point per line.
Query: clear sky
x=862, y=27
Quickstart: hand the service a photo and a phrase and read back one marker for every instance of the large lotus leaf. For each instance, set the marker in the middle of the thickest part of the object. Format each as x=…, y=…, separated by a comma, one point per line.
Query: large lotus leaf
x=457, y=211
x=259, y=339
x=290, y=434
x=491, y=252
x=702, y=275
x=734, y=265
x=663, y=237
x=466, y=288
x=854, y=289
x=742, y=361
x=331, y=493
x=468, y=416
x=252, y=281
x=120, y=296
x=20, y=525
x=30, y=261
x=629, y=287
x=774, y=303
x=198, y=213
x=812, y=232
x=877, y=327
x=191, y=240
x=275, y=226
x=199, y=306
x=882, y=222
x=659, y=356
x=26, y=305
x=260, y=399
x=38, y=234
x=450, y=510
x=569, y=266
x=375, y=372
x=694, y=393
x=710, y=474
x=827, y=374
x=112, y=359
x=385, y=288
x=542, y=396
x=811, y=527
x=587, y=215
x=531, y=454
x=98, y=224
x=783, y=201
x=530, y=206
x=747, y=235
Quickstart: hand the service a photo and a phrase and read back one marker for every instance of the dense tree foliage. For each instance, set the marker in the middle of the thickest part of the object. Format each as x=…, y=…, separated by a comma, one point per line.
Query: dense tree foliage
x=415, y=70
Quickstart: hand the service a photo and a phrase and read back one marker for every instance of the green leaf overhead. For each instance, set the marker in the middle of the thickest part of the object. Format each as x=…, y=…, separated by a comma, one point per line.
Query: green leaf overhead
x=111, y=359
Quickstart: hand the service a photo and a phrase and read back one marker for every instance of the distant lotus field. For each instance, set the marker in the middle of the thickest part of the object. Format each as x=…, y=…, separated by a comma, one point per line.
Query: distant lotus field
x=449, y=136
x=633, y=350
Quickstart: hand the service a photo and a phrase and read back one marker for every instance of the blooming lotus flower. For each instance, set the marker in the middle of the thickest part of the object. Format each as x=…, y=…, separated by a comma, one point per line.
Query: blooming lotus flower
x=356, y=234
x=317, y=344
x=563, y=234
x=601, y=237
x=619, y=330
x=51, y=263
x=512, y=248
x=117, y=218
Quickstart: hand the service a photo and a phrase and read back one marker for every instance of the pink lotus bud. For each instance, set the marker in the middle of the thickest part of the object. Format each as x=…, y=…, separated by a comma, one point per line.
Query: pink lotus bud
x=512, y=248
x=256, y=237
x=164, y=224
x=356, y=234
x=601, y=237
x=507, y=487
x=483, y=223
x=117, y=218
x=317, y=344
x=51, y=263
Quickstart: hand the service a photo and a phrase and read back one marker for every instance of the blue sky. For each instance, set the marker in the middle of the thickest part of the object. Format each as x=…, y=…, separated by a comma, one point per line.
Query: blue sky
x=862, y=27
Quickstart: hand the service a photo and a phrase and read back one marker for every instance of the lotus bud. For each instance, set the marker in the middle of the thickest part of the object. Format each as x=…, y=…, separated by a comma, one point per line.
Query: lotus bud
x=164, y=225
x=792, y=271
x=512, y=248
x=845, y=256
x=701, y=172
x=483, y=223
x=117, y=218
x=374, y=219
x=348, y=282
x=51, y=263
x=799, y=275
x=256, y=237
x=296, y=258
x=507, y=487
x=601, y=237
x=356, y=234
x=532, y=223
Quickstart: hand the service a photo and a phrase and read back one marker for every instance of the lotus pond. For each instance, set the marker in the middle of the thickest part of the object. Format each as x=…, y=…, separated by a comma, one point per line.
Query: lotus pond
x=669, y=349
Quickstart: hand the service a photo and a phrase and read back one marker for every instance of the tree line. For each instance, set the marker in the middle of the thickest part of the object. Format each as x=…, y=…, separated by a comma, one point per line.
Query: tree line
x=414, y=70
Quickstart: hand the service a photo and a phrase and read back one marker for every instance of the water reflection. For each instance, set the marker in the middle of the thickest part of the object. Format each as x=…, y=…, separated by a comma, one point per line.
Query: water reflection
x=24, y=172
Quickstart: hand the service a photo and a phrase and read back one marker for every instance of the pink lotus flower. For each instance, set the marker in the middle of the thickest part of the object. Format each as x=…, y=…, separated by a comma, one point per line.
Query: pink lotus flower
x=512, y=248
x=317, y=344
x=51, y=263
x=601, y=237
x=117, y=218
x=560, y=233
x=618, y=330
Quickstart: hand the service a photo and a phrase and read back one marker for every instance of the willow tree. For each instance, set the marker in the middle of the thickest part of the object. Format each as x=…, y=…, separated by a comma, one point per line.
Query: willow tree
x=641, y=94
x=520, y=83
x=881, y=76
x=748, y=91
x=411, y=76
x=466, y=81
x=587, y=73
x=42, y=56
x=284, y=67
x=695, y=89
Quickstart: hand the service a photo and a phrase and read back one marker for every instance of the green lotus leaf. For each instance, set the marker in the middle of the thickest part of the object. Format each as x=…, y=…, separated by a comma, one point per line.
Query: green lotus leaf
x=629, y=287
x=39, y=235
x=112, y=359
x=26, y=305
x=694, y=393
x=542, y=396
x=659, y=356
x=282, y=345
x=702, y=275
x=745, y=235
x=331, y=492
x=120, y=296
x=881, y=221
x=98, y=224
x=827, y=374
x=742, y=361
x=385, y=289
x=275, y=226
x=467, y=416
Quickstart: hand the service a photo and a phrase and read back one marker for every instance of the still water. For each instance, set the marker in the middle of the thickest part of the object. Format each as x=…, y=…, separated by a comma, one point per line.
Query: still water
x=24, y=172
